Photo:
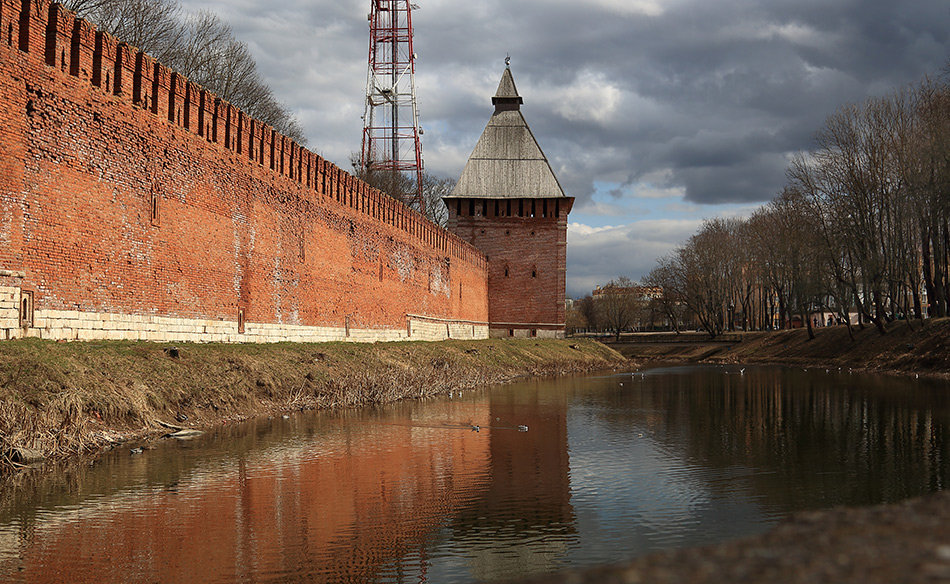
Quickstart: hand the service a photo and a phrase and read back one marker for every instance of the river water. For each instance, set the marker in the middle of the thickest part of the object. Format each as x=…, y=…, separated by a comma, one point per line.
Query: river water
x=610, y=468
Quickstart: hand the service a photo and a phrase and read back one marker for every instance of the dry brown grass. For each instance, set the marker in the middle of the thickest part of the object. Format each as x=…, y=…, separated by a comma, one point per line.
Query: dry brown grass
x=66, y=398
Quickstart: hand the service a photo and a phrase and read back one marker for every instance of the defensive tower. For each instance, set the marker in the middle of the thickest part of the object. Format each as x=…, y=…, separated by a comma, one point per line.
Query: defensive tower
x=510, y=206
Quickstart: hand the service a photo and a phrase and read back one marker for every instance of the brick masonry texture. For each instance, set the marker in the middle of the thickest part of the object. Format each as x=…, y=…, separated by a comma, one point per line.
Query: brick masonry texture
x=136, y=204
x=525, y=242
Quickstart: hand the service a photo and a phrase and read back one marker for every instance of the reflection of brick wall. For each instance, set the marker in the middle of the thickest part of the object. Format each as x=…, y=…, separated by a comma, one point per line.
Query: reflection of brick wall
x=129, y=193
x=527, y=257
x=339, y=506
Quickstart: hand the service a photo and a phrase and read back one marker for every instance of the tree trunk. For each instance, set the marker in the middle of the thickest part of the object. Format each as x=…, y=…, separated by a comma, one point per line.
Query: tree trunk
x=934, y=308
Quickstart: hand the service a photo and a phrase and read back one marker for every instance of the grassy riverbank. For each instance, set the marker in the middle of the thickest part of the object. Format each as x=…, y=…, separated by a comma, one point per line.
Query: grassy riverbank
x=61, y=399
x=920, y=348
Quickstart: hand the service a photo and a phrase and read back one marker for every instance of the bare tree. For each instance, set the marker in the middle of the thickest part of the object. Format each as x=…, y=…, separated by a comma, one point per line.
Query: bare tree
x=200, y=46
x=617, y=304
x=588, y=311
x=670, y=302
x=401, y=187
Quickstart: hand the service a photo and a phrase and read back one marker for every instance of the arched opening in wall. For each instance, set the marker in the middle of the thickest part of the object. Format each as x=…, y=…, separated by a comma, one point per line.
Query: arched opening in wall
x=507, y=271
x=26, y=308
x=240, y=320
x=534, y=272
x=534, y=332
x=511, y=332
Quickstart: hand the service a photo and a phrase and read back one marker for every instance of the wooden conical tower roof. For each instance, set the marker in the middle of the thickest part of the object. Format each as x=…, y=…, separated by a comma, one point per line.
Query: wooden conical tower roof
x=507, y=161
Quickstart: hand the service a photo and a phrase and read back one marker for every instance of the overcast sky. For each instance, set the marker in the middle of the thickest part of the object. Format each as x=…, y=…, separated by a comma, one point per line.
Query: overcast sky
x=654, y=114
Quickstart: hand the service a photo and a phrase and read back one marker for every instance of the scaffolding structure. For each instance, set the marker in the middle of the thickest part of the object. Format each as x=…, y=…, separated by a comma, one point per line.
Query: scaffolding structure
x=391, y=131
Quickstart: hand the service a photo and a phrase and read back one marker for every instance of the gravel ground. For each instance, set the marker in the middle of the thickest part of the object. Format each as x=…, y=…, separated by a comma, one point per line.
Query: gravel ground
x=905, y=542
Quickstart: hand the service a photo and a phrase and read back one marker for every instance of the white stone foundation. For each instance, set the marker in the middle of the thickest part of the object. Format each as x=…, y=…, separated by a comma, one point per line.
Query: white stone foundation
x=74, y=325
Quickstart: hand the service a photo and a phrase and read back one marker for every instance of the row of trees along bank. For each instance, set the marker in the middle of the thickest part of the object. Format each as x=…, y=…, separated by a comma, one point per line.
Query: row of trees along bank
x=860, y=233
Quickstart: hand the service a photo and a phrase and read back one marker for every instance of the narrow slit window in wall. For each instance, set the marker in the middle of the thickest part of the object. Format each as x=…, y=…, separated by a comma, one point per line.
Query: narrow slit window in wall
x=154, y=209
x=511, y=332
x=240, y=322
x=534, y=332
x=26, y=308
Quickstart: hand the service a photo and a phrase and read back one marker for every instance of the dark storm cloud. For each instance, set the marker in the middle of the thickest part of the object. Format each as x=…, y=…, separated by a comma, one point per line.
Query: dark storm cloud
x=714, y=93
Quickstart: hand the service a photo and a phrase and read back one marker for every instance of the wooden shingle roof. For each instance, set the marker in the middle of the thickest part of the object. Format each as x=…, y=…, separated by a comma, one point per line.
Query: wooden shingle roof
x=507, y=161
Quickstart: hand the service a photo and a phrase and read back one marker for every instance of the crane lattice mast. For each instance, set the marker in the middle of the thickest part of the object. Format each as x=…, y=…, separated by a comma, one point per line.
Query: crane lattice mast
x=390, y=120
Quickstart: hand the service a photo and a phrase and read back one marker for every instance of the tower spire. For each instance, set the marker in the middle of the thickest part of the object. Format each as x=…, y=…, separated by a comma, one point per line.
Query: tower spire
x=506, y=96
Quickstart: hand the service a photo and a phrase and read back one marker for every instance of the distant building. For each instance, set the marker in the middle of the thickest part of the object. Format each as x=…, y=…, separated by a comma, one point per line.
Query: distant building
x=509, y=205
x=645, y=293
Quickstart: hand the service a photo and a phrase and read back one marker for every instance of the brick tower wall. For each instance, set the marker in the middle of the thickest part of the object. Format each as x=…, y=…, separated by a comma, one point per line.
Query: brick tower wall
x=528, y=239
x=135, y=204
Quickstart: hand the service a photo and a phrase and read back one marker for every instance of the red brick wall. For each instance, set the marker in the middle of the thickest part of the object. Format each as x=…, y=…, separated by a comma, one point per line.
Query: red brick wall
x=531, y=243
x=92, y=131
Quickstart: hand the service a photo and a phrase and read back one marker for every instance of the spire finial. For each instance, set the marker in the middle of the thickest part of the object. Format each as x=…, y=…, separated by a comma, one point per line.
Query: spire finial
x=507, y=61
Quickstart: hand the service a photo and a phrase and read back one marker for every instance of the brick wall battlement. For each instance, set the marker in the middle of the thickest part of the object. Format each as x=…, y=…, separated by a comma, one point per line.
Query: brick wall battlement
x=48, y=33
x=126, y=189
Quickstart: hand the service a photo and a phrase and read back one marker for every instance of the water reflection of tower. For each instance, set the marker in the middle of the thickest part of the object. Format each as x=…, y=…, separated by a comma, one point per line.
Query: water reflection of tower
x=524, y=521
